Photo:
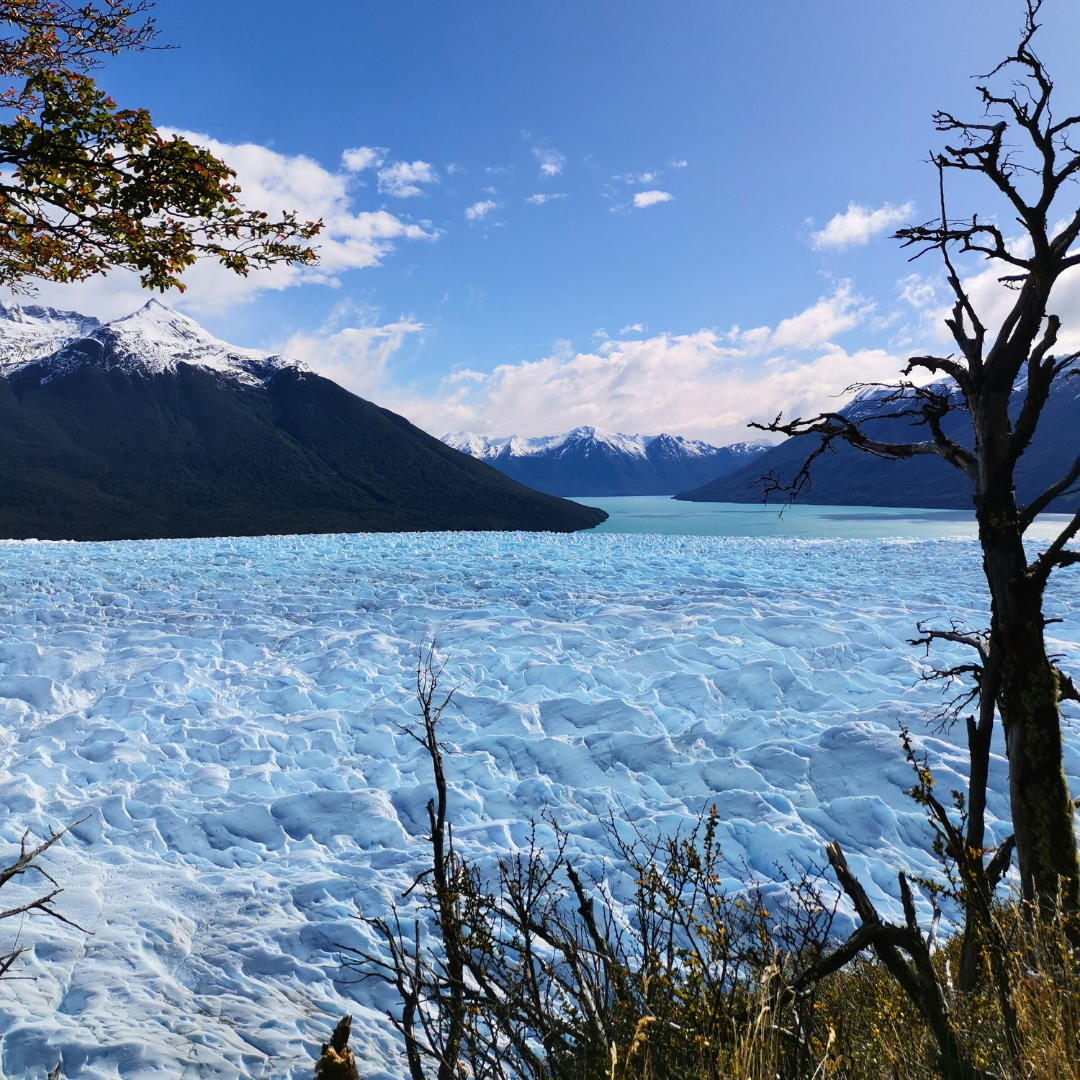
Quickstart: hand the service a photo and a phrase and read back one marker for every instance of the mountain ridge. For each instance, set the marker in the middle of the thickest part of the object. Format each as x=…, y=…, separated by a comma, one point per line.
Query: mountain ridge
x=148, y=427
x=849, y=477
x=590, y=462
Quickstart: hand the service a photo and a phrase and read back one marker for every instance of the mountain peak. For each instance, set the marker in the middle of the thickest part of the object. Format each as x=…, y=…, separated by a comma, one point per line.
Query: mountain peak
x=151, y=340
x=588, y=461
x=30, y=332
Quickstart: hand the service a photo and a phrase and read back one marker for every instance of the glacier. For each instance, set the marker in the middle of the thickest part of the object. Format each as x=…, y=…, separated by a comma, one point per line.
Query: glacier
x=226, y=715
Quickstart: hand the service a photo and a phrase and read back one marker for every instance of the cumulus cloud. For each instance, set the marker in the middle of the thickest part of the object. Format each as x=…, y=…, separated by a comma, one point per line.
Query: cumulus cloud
x=856, y=225
x=685, y=384
x=360, y=158
x=539, y=200
x=633, y=328
x=705, y=385
x=355, y=357
x=821, y=322
x=478, y=211
x=993, y=301
x=651, y=198
x=551, y=161
x=400, y=178
x=274, y=182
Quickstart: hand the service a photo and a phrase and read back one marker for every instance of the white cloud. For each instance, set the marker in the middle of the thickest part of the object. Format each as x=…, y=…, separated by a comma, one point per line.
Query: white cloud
x=551, y=161
x=858, y=224
x=684, y=384
x=633, y=328
x=355, y=357
x=539, y=200
x=273, y=182
x=638, y=178
x=917, y=291
x=453, y=169
x=822, y=321
x=478, y=211
x=400, y=178
x=360, y=158
x=680, y=164
x=705, y=385
x=993, y=301
x=651, y=198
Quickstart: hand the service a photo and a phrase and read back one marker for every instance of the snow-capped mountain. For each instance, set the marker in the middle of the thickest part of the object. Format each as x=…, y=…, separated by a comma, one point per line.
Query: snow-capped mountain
x=152, y=340
x=591, y=462
x=148, y=426
x=29, y=332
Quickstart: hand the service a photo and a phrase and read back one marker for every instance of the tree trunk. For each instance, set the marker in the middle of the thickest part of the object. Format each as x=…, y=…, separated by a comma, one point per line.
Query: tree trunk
x=1028, y=700
x=980, y=735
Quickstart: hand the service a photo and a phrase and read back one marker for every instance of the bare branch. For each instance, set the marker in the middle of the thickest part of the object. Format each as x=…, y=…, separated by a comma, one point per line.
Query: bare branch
x=1037, y=505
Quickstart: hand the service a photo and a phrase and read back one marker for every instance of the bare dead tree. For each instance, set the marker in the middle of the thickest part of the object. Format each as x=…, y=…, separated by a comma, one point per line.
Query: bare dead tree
x=430, y=983
x=542, y=976
x=905, y=952
x=1027, y=156
x=29, y=861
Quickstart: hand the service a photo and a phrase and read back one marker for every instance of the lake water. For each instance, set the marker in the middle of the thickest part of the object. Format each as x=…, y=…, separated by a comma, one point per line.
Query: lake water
x=665, y=516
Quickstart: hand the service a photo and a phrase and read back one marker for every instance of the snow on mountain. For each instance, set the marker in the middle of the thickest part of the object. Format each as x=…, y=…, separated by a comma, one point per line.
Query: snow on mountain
x=591, y=462
x=484, y=446
x=29, y=332
x=477, y=446
x=152, y=340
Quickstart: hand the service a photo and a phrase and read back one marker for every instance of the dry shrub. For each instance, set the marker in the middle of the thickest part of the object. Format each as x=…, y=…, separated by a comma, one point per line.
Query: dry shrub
x=539, y=975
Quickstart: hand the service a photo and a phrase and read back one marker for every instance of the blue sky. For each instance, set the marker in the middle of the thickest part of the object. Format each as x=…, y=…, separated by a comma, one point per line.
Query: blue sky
x=565, y=208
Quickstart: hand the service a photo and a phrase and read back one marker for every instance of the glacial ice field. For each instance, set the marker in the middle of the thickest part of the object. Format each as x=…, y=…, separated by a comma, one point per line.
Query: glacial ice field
x=227, y=716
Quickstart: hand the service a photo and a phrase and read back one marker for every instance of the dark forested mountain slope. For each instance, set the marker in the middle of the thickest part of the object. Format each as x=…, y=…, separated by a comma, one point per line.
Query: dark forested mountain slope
x=149, y=427
x=850, y=477
x=589, y=462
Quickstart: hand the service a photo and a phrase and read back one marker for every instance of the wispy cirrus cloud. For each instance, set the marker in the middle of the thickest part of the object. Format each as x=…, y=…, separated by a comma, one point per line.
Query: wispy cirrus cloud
x=551, y=161
x=355, y=357
x=857, y=224
x=540, y=199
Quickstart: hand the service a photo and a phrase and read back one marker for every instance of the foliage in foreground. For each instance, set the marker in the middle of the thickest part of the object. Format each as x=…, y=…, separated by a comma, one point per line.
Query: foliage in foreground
x=86, y=186
x=538, y=975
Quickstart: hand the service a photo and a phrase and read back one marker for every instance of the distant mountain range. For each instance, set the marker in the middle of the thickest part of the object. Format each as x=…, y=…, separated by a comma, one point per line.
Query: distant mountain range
x=588, y=462
x=850, y=477
x=150, y=427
